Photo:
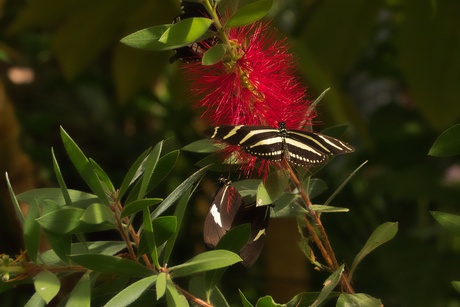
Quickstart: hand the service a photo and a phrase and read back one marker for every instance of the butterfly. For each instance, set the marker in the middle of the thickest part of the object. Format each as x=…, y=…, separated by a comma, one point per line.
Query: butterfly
x=193, y=51
x=300, y=147
x=228, y=210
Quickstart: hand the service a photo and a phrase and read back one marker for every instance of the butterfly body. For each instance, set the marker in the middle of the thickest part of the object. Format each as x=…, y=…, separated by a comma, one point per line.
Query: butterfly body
x=297, y=146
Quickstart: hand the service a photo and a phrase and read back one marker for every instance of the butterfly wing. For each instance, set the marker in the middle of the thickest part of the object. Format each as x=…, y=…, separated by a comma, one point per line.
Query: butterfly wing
x=308, y=148
x=225, y=205
x=259, y=141
x=258, y=218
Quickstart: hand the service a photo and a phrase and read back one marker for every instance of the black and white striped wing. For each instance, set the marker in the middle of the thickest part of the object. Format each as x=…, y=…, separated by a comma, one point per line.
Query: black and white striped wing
x=224, y=207
x=259, y=141
x=308, y=148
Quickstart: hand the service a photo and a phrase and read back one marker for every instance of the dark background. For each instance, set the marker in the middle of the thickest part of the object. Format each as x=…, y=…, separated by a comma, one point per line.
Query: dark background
x=393, y=68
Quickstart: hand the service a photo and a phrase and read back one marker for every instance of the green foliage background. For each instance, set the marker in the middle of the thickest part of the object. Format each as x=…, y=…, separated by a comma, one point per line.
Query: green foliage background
x=393, y=68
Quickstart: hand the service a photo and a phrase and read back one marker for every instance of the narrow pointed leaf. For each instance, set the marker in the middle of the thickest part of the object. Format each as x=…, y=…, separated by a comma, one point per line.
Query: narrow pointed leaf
x=182, y=188
x=381, y=235
x=134, y=172
x=131, y=293
x=103, y=177
x=329, y=200
x=150, y=164
x=314, y=187
x=185, y=31
x=249, y=13
x=449, y=221
x=32, y=231
x=14, y=200
x=244, y=300
x=149, y=237
x=200, y=146
x=358, y=299
x=47, y=285
x=111, y=265
x=267, y=301
x=139, y=205
x=329, y=285
x=60, y=243
x=78, y=198
x=60, y=180
x=35, y=301
x=81, y=293
x=447, y=144
x=163, y=228
x=179, y=214
x=204, y=262
x=84, y=167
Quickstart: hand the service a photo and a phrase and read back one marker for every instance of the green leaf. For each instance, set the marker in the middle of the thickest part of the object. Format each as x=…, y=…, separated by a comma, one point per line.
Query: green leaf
x=200, y=146
x=131, y=293
x=78, y=198
x=314, y=187
x=134, y=172
x=35, y=301
x=214, y=55
x=381, y=235
x=447, y=144
x=148, y=39
x=305, y=299
x=179, y=214
x=60, y=180
x=149, y=237
x=111, y=265
x=61, y=221
x=449, y=221
x=84, y=167
x=272, y=189
x=328, y=209
x=163, y=228
x=97, y=214
x=232, y=241
x=329, y=285
x=14, y=200
x=267, y=301
x=456, y=285
x=206, y=261
x=81, y=294
x=150, y=164
x=103, y=177
x=61, y=246
x=249, y=13
x=197, y=287
x=182, y=188
x=358, y=299
x=244, y=300
x=337, y=191
x=161, y=285
x=139, y=205
x=173, y=297
x=47, y=285
x=162, y=169
x=32, y=232
x=185, y=31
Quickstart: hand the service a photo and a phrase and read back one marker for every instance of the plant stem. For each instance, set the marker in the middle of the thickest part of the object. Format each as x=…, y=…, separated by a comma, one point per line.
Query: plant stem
x=323, y=243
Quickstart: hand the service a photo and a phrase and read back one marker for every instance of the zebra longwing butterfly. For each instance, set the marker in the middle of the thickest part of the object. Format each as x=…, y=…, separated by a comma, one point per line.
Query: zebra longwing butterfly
x=195, y=50
x=297, y=146
x=229, y=210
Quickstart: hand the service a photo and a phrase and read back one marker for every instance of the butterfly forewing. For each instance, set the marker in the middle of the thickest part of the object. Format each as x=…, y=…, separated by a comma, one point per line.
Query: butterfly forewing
x=224, y=206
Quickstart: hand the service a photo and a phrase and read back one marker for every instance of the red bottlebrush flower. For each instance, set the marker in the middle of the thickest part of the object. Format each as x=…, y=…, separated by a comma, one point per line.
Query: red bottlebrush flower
x=259, y=88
